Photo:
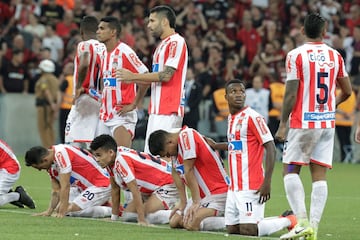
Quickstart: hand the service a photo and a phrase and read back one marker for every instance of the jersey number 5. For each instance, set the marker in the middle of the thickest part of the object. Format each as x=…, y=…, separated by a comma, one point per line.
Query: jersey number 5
x=322, y=99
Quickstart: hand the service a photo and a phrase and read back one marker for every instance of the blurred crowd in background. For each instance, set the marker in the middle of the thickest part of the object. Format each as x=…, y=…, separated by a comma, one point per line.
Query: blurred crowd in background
x=246, y=39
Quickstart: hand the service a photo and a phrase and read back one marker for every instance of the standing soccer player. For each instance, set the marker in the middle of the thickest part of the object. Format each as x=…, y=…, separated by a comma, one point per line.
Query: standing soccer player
x=82, y=123
x=166, y=110
x=313, y=71
x=119, y=99
x=249, y=142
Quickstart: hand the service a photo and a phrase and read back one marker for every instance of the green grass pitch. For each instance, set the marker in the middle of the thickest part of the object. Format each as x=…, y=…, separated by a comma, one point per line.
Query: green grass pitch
x=341, y=218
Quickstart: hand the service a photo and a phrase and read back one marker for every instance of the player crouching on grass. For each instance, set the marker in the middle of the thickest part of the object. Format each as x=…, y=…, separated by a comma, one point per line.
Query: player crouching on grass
x=148, y=178
x=79, y=185
x=9, y=174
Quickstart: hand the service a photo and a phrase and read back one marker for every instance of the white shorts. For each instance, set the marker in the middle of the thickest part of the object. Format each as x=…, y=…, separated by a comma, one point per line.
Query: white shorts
x=93, y=196
x=168, y=195
x=303, y=146
x=127, y=120
x=7, y=180
x=243, y=207
x=82, y=123
x=163, y=122
x=216, y=202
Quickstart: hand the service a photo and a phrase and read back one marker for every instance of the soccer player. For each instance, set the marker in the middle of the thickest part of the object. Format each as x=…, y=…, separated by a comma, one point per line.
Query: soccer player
x=249, y=142
x=313, y=71
x=119, y=99
x=9, y=174
x=71, y=167
x=145, y=176
x=166, y=110
x=83, y=123
x=197, y=166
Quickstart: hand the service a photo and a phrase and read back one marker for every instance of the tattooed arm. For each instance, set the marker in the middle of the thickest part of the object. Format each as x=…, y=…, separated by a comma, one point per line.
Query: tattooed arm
x=163, y=76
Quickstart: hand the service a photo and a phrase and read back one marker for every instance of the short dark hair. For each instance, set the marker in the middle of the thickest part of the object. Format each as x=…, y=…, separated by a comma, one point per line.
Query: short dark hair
x=103, y=141
x=167, y=12
x=114, y=23
x=314, y=25
x=228, y=83
x=157, y=141
x=35, y=155
x=89, y=24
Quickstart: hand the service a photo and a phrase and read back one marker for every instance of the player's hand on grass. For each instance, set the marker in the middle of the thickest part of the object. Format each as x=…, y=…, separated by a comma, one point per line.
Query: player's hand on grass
x=43, y=214
x=190, y=214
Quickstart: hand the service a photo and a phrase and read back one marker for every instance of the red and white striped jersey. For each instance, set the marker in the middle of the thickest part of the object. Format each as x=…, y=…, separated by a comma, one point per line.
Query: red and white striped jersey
x=150, y=172
x=8, y=160
x=317, y=67
x=117, y=93
x=85, y=171
x=247, y=132
x=95, y=49
x=169, y=97
x=208, y=167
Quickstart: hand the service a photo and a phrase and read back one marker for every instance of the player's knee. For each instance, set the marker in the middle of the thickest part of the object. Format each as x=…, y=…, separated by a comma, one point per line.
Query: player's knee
x=249, y=229
x=233, y=229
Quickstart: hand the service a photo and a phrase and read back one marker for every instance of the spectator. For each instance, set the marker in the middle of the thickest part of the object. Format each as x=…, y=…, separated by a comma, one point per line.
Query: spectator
x=67, y=99
x=54, y=43
x=35, y=27
x=193, y=97
x=345, y=118
x=13, y=77
x=249, y=39
x=79, y=11
x=64, y=27
x=47, y=102
x=51, y=12
x=259, y=98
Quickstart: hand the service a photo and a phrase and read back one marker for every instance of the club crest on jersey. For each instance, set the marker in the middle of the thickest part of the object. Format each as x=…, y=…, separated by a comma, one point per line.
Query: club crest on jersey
x=172, y=50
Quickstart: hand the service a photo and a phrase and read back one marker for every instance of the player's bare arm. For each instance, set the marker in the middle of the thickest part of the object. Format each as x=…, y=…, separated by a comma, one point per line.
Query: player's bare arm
x=140, y=208
x=64, y=194
x=265, y=188
x=291, y=89
x=193, y=185
x=346, y=90
x=115, y=199
x=179, y=208
x=163, y=76
x=54, y=199
x=140, y=94
x=83, y=69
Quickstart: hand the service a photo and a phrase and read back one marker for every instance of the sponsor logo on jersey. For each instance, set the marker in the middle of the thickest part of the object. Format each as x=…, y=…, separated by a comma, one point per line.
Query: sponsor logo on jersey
x=172, y=50
x=121, y=170
x=186, y=140
x=135, y=60
x=262, y=125
x=61, y=159
x=235, y=145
